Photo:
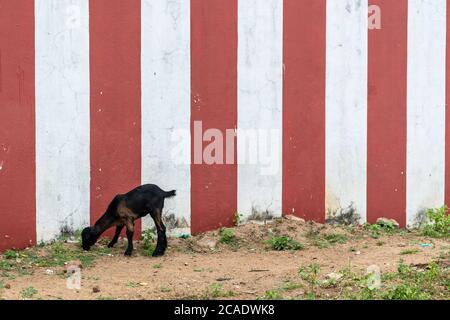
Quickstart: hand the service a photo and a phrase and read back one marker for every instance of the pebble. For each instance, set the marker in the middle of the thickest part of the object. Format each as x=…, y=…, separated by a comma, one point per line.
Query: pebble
x=334, y=276
x=95, y=289
x=49, y=272
x=7, y=286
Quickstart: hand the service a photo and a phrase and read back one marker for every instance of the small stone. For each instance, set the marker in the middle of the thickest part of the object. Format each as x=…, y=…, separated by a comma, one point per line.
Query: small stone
x=358, y=253
x=49, y=272
x=95, y=289
x=186, y=264
x=401, y=245
x=223, y=279
x=294, y=218
x=74, y=263
x=7, y=286
x=386, y=221
x=207, y=243
x=334, y=276
x=144, y=284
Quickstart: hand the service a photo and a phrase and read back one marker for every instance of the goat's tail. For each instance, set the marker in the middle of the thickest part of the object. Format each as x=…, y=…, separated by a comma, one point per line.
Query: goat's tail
x=170, y=194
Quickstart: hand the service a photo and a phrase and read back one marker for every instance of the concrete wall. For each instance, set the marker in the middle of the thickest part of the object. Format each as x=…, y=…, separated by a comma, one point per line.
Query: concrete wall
x=257, y=108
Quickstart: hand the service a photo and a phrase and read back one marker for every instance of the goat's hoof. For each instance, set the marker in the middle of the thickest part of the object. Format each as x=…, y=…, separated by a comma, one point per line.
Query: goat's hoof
x=127, y=254
x=111, y=245
x=157, y=253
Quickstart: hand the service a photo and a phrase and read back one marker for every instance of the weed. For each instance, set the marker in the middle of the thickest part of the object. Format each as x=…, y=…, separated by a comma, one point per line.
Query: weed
x=227, y=236
x=380, y=243
x=289, y=286
x=335, y=238
x=438, y=223
x=28, y=293
x=132, y=284
x=237, y=219
x=310, y=274
x=406, y=292
x=281, y=243
x=10, y=254
x=216, y=291
x=327, y=240
x=104, y=241
x=5, y=265
x=409, y=251
x=271, y=295
x=148, y=242
x=106, y=298
x=157, y=266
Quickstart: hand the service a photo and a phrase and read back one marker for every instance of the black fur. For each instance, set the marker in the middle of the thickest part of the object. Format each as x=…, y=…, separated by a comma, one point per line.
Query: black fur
x=124, y=209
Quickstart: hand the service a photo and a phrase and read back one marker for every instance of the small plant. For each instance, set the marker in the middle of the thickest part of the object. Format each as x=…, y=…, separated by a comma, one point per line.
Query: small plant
x=157, y=266
x=237, y=219
x=438, y=223
x=28, y=293
x=281, y=243
x=310, y=274
x=216, y=291
x=409, y=251
x=335, y=238
x=406, y=292
x=165, y=289
x=374, y=230
x=10, y=254
x=104, y=241
x=148, y=242
x=227, y=236
x=5, y=265
x=271, y=295
x=289, y=286
x=380, y=243
x=327, y=240
x=132, y=284
x=386, y=225
x=106, y=298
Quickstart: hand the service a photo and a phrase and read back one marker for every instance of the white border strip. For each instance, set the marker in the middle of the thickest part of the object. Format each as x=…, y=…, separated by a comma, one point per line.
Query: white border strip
x=62, y=116
x=260, y=78
x=426, y=106
x=346, y=107
x=166, y=105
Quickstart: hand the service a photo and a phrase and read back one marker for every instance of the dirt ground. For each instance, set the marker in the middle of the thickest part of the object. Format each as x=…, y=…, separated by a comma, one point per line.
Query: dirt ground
x=202, y=267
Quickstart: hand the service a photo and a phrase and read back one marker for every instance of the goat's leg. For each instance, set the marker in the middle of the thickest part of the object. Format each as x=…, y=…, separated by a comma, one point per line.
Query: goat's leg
x=116, y=236
x=130, y=233
x=161, y=244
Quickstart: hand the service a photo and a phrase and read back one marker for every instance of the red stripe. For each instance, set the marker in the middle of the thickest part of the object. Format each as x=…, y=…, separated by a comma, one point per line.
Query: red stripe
x=17, y=125
x=115, y=89
x=304, y=108
x=214, y=102
x=386, y=154
x=447, y=113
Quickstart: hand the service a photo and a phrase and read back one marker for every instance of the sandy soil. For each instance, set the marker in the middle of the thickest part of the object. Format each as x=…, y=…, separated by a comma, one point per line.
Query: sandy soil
x=248, y=269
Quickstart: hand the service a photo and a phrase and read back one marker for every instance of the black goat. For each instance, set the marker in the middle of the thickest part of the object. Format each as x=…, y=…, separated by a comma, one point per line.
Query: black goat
x=124, y=210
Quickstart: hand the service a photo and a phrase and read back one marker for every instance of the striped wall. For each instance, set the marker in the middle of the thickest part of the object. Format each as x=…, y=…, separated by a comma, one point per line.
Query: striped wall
x=261, y=108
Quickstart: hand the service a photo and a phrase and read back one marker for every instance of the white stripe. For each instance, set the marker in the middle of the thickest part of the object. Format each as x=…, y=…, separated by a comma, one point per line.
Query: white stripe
x=166, y=106
x=62, y=116
x=346, y=107
x=260, y=36
x=426, y=106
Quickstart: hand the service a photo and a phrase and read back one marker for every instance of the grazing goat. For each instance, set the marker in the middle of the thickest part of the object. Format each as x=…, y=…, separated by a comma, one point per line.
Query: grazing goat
x=124, y=210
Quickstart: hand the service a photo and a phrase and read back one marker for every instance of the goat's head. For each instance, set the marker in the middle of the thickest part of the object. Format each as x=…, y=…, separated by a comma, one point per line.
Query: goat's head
x=88, y=238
